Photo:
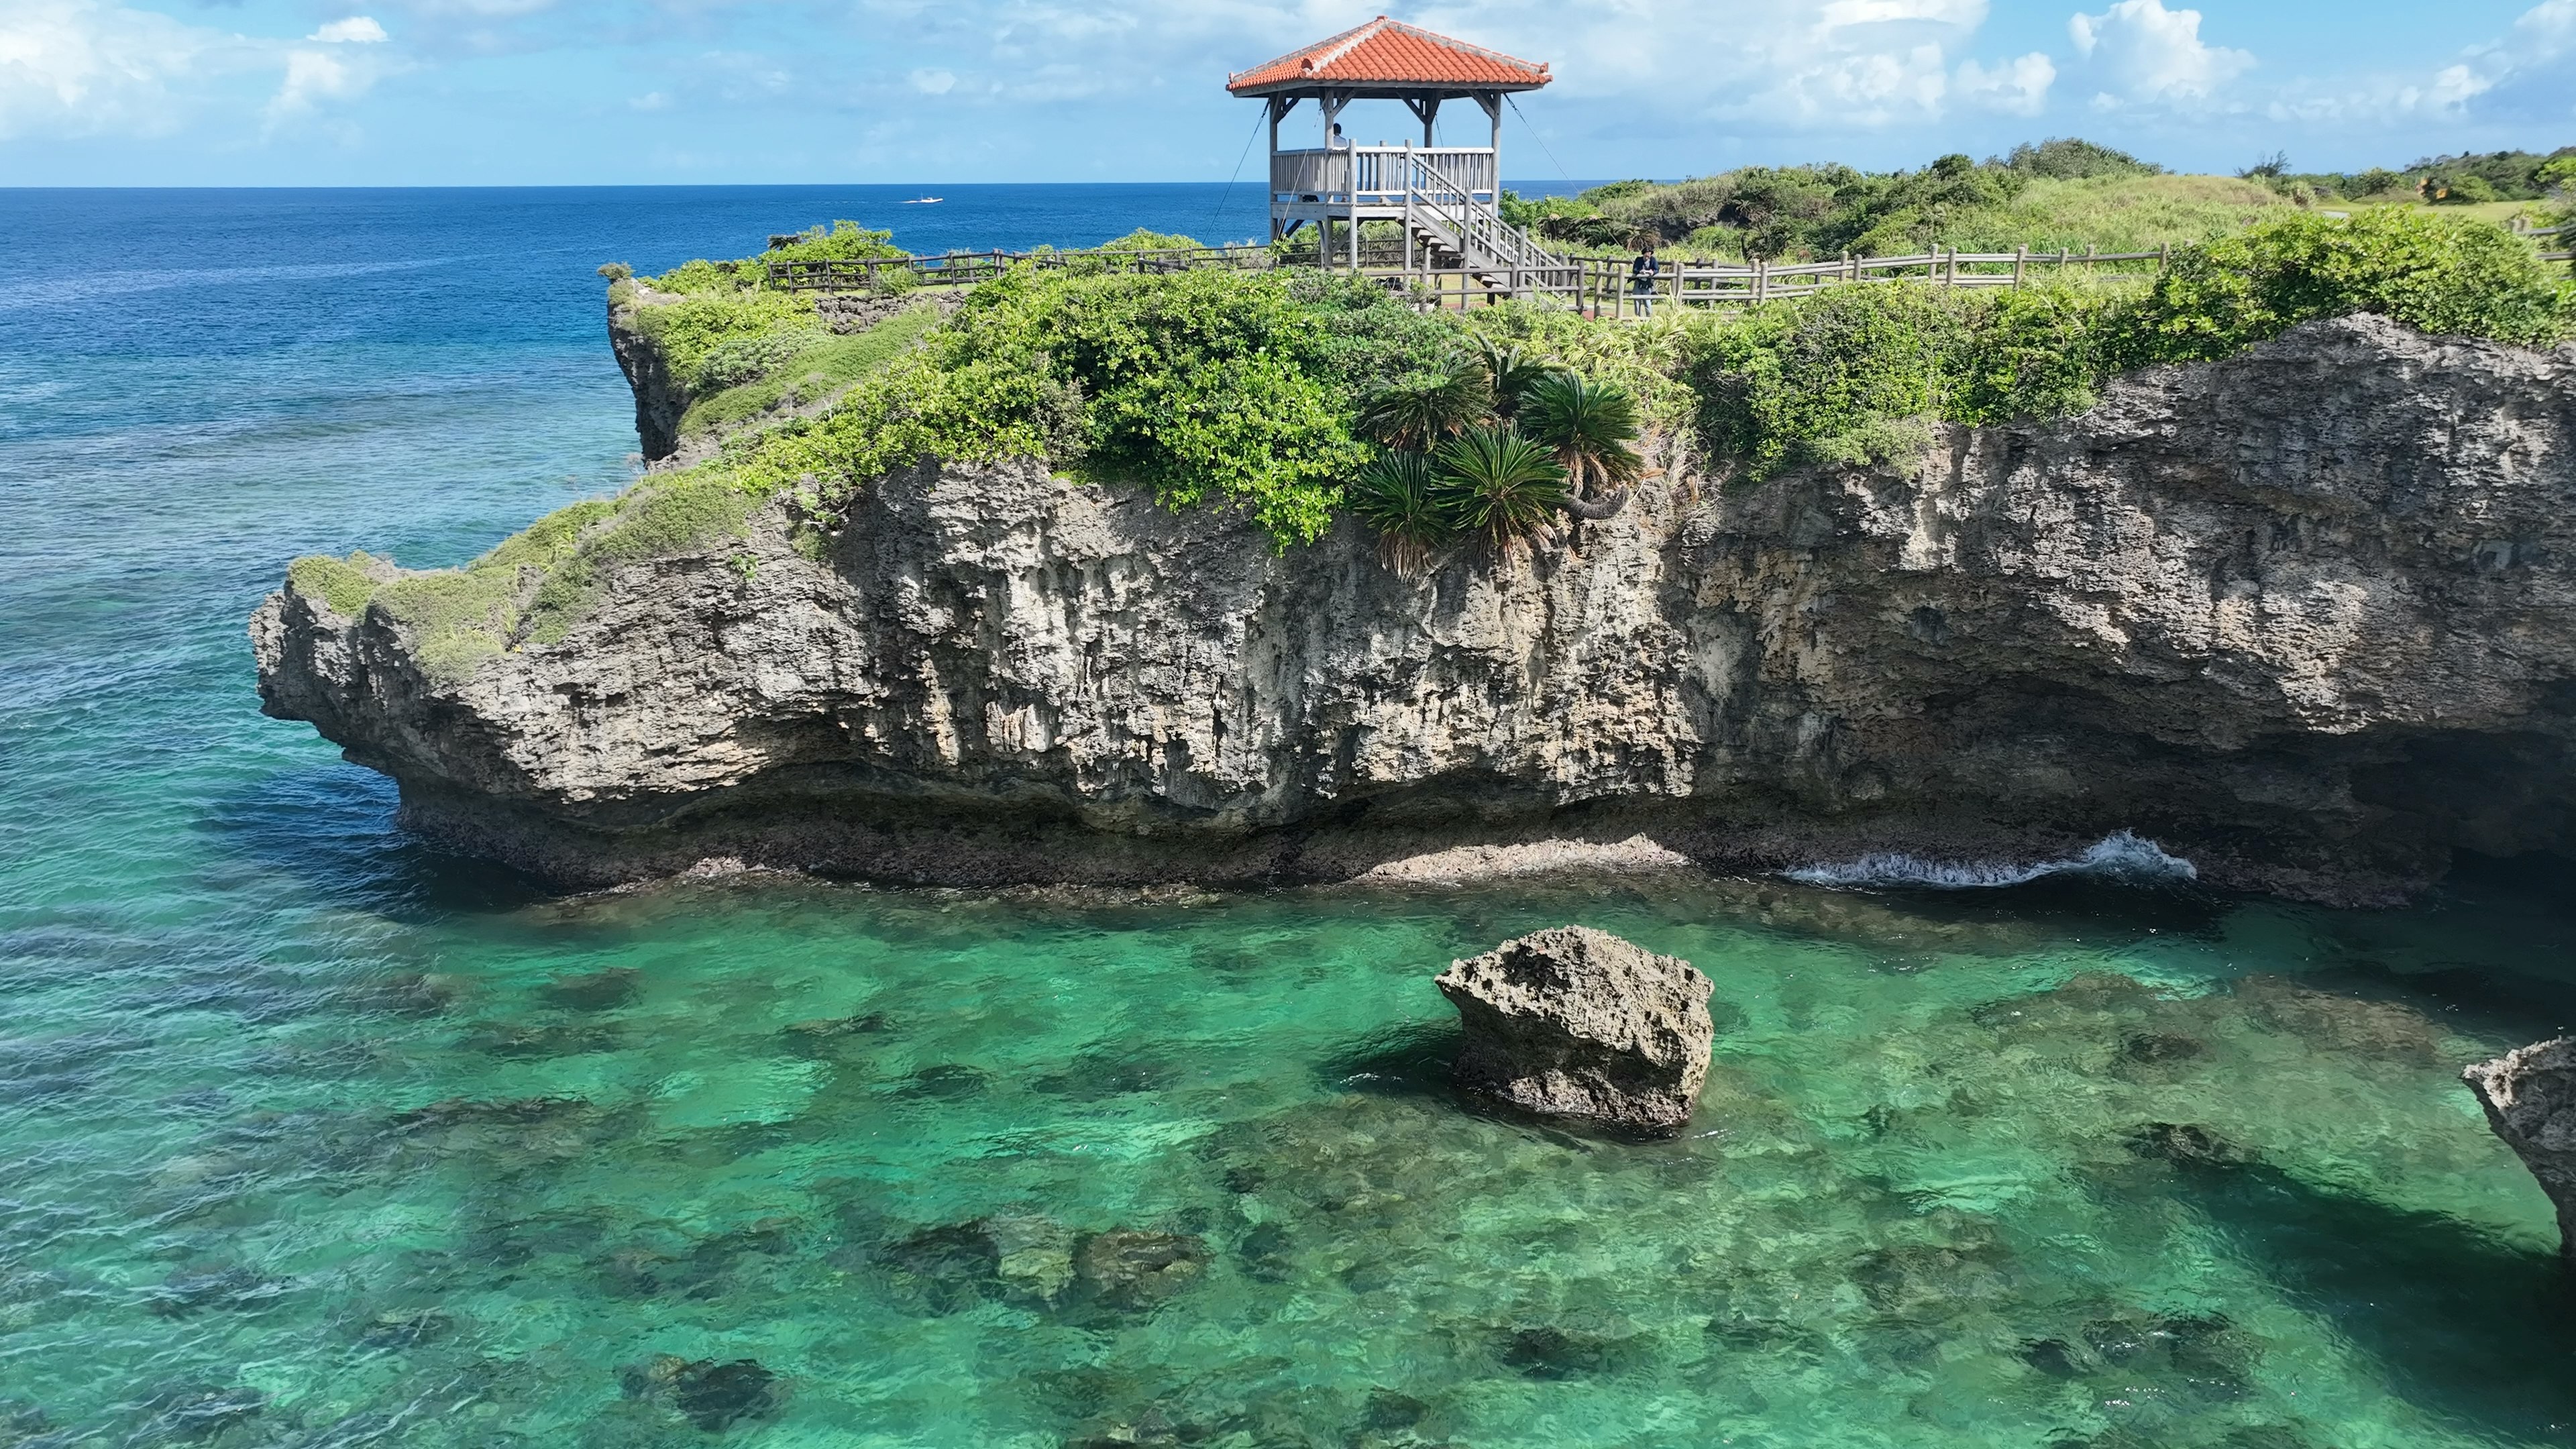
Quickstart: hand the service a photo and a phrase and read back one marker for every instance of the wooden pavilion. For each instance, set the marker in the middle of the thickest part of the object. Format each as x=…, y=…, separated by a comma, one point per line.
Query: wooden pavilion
x=1445, y=197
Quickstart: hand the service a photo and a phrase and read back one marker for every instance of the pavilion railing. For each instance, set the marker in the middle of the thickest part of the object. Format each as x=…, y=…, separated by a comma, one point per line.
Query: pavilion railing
x=1375, y=176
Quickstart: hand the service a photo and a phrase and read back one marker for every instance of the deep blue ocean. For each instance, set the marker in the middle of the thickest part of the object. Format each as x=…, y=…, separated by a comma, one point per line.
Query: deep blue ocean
x=313, y=1136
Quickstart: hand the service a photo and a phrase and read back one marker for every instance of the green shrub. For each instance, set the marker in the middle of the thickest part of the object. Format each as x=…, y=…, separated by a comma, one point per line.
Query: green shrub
x=687, y=330
x=748, y=358
x=2438, y=273
x=2034, y=352
x=1791, y=378
x=847, y=241
x=343, y=584
x=1211, y=386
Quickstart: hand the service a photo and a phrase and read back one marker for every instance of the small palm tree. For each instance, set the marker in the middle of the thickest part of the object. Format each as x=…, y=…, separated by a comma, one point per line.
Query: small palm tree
x=1398, y=494
x=1498, y=483
x=1590, y=426
x=1508, y=375
x=1415, y=412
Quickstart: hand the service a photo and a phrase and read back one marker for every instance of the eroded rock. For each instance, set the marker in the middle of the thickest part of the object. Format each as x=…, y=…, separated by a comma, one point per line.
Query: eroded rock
x=2530, y=1097
x=1574, y=1022
x=2293, y=615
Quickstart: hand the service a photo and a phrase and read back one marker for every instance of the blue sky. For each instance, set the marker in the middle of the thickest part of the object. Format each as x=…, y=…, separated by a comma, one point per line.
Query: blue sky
x=498, y=92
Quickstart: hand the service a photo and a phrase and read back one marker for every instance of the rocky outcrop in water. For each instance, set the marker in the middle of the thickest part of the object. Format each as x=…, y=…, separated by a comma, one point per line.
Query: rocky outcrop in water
x=1574, y=1022
x=2530, y=1097
x=2306, y=617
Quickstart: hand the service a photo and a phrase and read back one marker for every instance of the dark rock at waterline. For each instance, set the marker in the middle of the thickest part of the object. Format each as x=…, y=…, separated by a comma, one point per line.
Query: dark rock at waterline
x=2530, y=1097
x=1574, y=1022
x=712, y=1395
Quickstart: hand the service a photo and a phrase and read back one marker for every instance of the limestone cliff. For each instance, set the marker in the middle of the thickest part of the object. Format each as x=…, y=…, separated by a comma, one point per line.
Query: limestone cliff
x=2306, y=617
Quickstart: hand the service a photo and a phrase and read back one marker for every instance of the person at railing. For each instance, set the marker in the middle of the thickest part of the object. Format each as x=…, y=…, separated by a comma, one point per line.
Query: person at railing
x=1336, y=141
x=1644, y=271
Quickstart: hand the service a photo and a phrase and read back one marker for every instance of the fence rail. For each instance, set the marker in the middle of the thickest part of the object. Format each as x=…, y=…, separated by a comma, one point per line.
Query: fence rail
x=1601, y=285
x=957, y=269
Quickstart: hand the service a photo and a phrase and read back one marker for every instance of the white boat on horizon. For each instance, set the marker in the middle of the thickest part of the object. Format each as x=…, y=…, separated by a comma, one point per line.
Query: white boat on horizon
x=924, y=201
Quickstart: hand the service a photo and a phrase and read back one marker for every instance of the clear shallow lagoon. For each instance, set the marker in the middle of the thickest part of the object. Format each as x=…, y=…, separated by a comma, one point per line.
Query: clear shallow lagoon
x=310, y=1136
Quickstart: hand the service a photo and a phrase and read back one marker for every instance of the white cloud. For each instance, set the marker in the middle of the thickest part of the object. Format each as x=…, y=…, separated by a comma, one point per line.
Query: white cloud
x=2143, y=54
x=2528, y=75
x=356, y=30
x=312, y=76
x=2016, y=87
x=77, y=67
x=934, y=82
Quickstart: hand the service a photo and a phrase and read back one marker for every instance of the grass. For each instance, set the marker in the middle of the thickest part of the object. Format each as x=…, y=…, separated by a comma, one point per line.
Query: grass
x=660, y=517
x=816, y=371
x=533, y=585
x=2118, y=214
x=456, y=618
x=343, y=584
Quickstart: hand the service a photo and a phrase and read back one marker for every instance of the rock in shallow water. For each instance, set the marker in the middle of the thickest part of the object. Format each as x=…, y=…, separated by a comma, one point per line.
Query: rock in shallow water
x=1574, y=1022
x=2530, y=1097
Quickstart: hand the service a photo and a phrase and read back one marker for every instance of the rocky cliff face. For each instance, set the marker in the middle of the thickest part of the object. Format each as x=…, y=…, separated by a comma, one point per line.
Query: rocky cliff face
x=2306, y=617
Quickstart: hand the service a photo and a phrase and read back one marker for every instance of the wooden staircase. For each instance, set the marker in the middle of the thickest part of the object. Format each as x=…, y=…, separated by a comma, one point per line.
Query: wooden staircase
x=1458, y=231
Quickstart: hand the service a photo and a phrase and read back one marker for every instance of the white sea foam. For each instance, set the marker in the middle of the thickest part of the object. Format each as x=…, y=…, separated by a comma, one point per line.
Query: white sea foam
x=2123, y=856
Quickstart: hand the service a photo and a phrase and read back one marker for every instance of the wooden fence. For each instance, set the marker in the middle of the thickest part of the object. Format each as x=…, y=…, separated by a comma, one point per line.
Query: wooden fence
x=1601, y=286
x=958, y=269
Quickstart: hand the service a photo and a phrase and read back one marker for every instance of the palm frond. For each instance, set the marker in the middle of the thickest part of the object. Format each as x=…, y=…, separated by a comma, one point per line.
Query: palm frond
x=1498, y=483
x=1508, y=375
x=1417, y=411
x=1590, y=426
x=1397, y=494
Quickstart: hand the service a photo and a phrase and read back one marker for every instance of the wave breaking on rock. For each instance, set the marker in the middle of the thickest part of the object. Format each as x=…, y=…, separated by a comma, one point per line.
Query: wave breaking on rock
x=2123, y=856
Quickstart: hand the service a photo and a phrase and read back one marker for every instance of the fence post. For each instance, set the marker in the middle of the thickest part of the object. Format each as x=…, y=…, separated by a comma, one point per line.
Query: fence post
x=2021, y=255
x=2164, y=256
x=1761, y=279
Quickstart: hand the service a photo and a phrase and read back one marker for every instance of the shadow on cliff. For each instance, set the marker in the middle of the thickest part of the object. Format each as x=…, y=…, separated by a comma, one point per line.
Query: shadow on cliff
x=2476, y=1330
x=331, y=829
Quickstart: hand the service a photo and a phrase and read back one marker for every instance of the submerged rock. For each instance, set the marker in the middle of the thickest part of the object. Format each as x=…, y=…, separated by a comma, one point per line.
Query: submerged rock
x=1574, y=1022
x=1136, y=1270
x=714, y=1396
x=2530, y=1097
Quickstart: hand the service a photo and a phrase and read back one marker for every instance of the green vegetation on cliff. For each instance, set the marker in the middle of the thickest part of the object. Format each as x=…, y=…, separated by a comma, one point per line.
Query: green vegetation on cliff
x=2059, y=194
x=1211, y=386
x=752, y=375
x=1854, y=372
x=1295, y=395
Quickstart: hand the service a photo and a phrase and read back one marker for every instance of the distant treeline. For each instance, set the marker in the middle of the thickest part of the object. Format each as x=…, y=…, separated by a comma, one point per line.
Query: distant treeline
x=2059, y=192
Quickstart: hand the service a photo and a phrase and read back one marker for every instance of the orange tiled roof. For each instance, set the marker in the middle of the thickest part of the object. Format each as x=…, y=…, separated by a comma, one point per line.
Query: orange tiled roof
x=1390, y=52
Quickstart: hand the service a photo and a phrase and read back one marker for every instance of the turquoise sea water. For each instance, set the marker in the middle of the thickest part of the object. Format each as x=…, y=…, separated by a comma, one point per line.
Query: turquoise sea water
x=312, y=1136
